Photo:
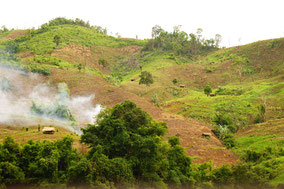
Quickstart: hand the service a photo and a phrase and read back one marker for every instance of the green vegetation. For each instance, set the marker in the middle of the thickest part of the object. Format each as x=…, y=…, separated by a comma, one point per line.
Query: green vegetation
x=261, y=145
x=63, y=21
x=146, y=78
x=181, y=43
x=57, y=40
x=103, y=62
x=7, y=58
x=207, y=90
x=127, y=145
x=43, y=42
x=126, y=133
x=57, y=109
x=127, y=149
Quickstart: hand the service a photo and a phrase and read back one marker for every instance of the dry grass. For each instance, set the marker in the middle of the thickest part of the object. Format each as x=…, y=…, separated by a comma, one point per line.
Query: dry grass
x=14, y=34
x=267, y=128
x=23, y=134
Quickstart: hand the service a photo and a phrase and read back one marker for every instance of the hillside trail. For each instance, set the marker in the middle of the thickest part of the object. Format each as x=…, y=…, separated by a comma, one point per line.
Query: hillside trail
x=189, y=130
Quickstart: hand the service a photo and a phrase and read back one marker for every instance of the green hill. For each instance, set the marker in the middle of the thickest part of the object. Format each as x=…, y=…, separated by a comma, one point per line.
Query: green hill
x=42, y=42
x=247, y=84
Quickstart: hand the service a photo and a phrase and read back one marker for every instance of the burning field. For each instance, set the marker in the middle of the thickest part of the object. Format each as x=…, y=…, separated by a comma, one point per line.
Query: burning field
x=29, y=99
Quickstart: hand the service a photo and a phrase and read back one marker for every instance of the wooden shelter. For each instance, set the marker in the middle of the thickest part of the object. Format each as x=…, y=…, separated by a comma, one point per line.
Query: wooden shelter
x=206, y=135
x=182, y=86
x=48, y=130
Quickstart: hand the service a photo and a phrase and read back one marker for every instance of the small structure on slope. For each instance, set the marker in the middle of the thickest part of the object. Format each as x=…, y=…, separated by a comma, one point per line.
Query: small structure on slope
x=206, y=135
x=48, y=130
x=182, y=86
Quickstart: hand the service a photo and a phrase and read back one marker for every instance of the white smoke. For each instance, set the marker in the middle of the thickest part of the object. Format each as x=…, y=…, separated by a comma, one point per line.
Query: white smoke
x=18, y=90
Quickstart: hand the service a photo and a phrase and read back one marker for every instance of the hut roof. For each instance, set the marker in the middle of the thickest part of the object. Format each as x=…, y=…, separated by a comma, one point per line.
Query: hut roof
x=206, y=134
x=48, y=129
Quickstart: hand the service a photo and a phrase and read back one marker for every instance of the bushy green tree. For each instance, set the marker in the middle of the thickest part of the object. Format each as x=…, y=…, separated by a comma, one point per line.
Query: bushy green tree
x=207, y=90
x=181, y=43
x=10, y=174
x=62, y=21
x=180, y=171
x=79, y=171
x=109, y=171
x=146, y=78
x=127, y=132
x=223, y=176
x=10, y=151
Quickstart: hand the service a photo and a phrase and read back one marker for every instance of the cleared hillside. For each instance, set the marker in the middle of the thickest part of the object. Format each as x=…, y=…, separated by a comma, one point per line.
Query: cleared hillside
x=248, y=79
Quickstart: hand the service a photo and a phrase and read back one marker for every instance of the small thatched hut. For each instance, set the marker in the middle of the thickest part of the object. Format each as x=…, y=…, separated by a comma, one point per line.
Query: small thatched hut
x=206, y=135
x=48, y=130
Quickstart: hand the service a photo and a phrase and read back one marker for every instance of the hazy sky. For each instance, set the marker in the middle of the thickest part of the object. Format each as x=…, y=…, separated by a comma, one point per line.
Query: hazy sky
x=238, y=21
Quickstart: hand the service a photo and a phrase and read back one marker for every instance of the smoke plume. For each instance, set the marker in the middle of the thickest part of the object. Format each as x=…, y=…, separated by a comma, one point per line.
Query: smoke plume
x=25, y=101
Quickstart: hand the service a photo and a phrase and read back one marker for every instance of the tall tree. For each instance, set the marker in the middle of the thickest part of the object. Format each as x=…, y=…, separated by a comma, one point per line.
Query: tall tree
x=126, y=137
x=128, y=132
x=156, y=30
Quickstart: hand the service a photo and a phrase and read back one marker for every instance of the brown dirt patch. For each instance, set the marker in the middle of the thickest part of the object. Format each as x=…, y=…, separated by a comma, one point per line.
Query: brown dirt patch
x=89, y=56
x=267, y=128
x=15, y=34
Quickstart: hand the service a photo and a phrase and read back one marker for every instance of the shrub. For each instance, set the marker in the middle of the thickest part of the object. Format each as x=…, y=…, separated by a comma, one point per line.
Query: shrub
x=260, y=118
x=227, y=91
x=103, y=62
x=10, y=173
x=207, y=90
x=229, y=141
x=35, y=68
x=156, y=99
x=222, y=176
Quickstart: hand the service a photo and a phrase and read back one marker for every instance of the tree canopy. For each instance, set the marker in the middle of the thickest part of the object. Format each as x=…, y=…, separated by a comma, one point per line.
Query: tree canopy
x=146, y=78
x=207, y=90
x=127, y=132
x=180, y=42
x=127, y=149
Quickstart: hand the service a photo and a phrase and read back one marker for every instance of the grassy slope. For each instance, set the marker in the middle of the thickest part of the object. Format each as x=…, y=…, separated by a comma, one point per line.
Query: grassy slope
x=260, y=136
x=262, y=80
x=71, y=34
x=21, y=135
